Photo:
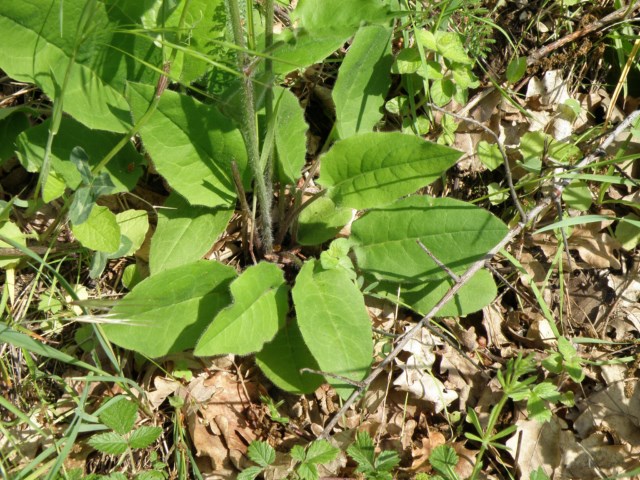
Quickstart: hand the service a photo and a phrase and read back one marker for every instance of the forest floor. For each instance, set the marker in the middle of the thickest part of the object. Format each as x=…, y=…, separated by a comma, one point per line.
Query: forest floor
x=579, y=420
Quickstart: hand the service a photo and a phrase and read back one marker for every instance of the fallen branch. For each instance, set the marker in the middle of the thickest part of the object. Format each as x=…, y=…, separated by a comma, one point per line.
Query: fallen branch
x=613, y=17
x=464, y=278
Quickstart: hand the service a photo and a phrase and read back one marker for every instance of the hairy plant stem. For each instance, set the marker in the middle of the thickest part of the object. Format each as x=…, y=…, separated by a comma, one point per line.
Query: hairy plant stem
x=250, y=130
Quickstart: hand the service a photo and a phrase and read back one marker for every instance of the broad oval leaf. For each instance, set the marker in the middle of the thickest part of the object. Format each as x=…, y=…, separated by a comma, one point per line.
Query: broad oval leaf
x=283, y=357
x=476, y=294
x=191, y=144
x=39, y=41
x=363, y=81
x=334, y=323
x=321, y=221
x=318, y=16
x=374, y=169
x=134, y=225
x=259, y=310
x=323, y=27
x=100, y=232
x=184, y=233
x=456, y=232
x=123, y=169
x=167, y=313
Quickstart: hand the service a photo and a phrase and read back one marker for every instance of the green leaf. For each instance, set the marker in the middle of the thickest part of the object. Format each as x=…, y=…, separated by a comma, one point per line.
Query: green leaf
x=489, y=154
x=144, y=436
x=205, y=26
x=119, y=415
x=282, y=359
x=100, y=232
x=387, y=461
x=81, y=160
x=628, y=234
x=476, y=294
x=407, y=61
x=443, y=458
x=249, y=473
x=110, y=443
x=167, y=313
x=538, y=474
x=185, y=233
x=575, y=371
x=442, y=91
x=307, y=471
x=516, y=69
x=298, y=453
x=124, y=169
x=10, y=127
x=363, y=452
x=114, y=476
x=334, y=323
x=320, y=452
x=133, y=225
x=577, y=195
x=363, y=81
x=12, y=231
x=191, y=144
x=261, y=453
x=538, y=409
x=374, y=169
x=290, y=136
x=548, y=391
x=299, y=49
x=40, y=38
x=317, y=16
x=457, y=233
x=151, y=475
x=449, y=45
x=553, y=363
x=323, y=27
x=321, y=221
x=464, y=78
x=258, y=312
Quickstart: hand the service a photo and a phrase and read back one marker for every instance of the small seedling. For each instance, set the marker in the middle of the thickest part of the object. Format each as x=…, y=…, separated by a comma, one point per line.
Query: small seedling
x=119, y=415
x=373, y=467
x=261, y=453
x=273, y=409
x=307, y=459
x=444, y=459
x=566, y=359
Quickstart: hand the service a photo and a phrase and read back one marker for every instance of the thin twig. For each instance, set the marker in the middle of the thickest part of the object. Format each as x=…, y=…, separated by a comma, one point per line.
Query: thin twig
x=351, y=382
x=437, y=261
x=613, y=17
x=543, y=204
x=503, y=154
